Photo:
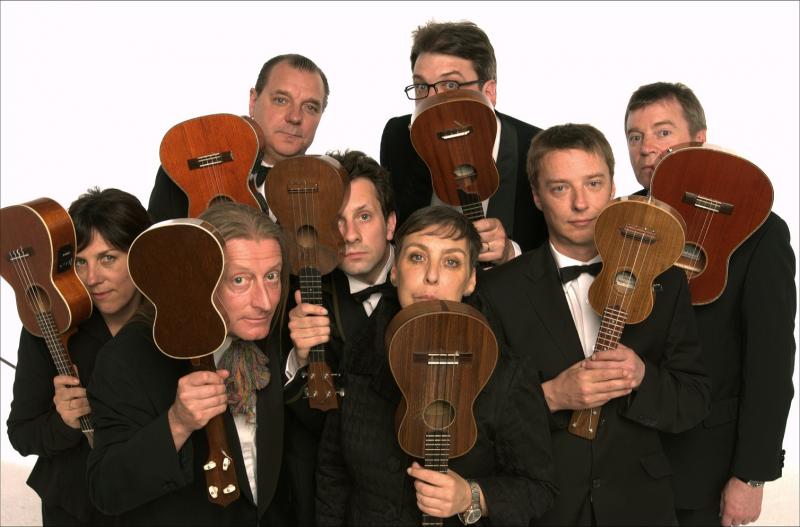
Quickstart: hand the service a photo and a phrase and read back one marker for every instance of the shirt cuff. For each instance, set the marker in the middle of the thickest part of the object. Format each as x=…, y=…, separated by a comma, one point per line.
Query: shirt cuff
x=292, y=366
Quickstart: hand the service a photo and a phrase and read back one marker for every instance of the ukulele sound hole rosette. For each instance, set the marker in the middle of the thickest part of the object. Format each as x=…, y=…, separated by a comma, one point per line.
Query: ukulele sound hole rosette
x=439, y=415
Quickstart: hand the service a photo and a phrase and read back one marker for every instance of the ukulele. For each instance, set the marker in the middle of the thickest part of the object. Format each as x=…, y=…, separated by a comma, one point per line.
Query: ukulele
x=638, y=238
x=211, y=158
x=454, y=133
x=306, y=193
x=177, y=265
x=38, y=261
x=723, y=198
x=441, y=354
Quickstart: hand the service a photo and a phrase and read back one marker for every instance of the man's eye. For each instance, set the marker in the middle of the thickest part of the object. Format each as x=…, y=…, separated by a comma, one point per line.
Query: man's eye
x=664, y=133
x=279, y=100
x=365, y=216
x=312, y=108
x=80, y=262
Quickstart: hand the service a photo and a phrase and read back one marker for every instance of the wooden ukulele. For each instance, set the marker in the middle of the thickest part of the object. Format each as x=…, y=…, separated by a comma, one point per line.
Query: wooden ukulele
x=38, y=261
x=454, y=133
x=306, y=193
x=441, y=354
x=177, y=265
x=638, y=238
x=211, y=158
x=723, y=198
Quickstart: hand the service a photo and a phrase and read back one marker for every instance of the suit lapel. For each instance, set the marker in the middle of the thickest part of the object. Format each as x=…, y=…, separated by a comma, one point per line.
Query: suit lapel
x=546, y=296
x=501, y=204
x=269, y=432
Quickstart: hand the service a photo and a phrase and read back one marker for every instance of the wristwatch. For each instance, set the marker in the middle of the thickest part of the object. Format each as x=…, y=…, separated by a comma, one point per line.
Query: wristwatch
x=751, y=482
x=473, y=513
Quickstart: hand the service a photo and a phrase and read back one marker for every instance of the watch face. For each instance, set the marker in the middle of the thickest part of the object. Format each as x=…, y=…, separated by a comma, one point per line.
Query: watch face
x=472, y=516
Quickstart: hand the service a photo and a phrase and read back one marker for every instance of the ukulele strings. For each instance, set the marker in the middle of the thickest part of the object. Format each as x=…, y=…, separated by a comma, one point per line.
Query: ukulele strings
x=701, y=220
x=44, y=317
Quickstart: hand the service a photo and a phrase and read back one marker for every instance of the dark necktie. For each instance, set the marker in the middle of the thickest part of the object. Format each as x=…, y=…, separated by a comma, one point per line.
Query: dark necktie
x=261, y=174
x=364, y=294
x=572, y=272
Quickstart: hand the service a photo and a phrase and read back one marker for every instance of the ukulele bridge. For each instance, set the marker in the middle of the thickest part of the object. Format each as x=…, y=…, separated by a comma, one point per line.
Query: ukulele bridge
x=302, y=188
x=210, y=160
x=444, y=359
x=454, y=133
x=702, y=202
x=640, y=234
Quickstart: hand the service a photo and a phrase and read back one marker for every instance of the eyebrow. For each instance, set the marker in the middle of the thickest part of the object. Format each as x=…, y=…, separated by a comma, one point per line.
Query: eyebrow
x=655, y=125
x=427, y=248
x=441, y=77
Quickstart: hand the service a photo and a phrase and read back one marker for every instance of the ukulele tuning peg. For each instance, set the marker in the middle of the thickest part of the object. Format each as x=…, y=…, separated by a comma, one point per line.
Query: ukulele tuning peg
x=340, y=392
x=213, y=491
x=229, y=489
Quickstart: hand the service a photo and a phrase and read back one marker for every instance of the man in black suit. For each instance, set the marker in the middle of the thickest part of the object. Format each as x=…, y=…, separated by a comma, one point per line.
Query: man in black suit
x=447, y=56
x=350, y=293
x=149, y=410
x=746, y=335
x=287, y=103
x=654, y=380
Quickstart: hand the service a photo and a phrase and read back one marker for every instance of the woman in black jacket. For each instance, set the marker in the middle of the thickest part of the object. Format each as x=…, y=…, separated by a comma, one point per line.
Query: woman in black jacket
x=45, y=411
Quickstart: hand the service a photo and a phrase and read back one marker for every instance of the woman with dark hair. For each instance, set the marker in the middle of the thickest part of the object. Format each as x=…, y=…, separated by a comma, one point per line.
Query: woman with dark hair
x=46, y=409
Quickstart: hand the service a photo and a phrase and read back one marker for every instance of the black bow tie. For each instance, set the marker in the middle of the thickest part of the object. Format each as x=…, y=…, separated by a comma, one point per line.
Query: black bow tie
x=572, y=272
x=261, y=174
x=364, y=294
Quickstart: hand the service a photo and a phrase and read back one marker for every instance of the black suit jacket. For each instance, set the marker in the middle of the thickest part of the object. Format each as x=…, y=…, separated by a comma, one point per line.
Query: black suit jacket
x=512, y=204
x=35, y=427
x=748, y=343
x=623, y=474
x=134, y=470
x=303, y=424
x=361, y=475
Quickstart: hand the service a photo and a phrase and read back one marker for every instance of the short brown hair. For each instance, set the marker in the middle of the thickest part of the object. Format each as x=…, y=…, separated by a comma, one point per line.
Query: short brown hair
x=659, y=91
x=116, y=215
x=459, y=39
x=564, y=137
x=360, y=165
x=449, y=224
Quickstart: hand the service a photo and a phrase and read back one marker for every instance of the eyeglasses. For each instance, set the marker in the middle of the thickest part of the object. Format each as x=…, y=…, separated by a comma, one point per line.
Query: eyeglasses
x=422, y=90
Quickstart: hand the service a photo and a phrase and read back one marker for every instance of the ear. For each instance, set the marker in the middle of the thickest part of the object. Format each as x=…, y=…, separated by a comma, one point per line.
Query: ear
x=471, y=283
x=490, y=91
x=252, y=105
x=613, y=189
x=391, y=223
x=536, y=199
x=393, y=273
x=700, y=136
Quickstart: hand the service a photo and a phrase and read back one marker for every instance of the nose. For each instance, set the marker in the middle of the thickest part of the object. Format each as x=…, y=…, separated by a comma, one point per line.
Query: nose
x=431, y=274
x=92, y=275
x=349, y=231
x=579, y=199
x=649, y=145
x=294, y=114
x=259, y=296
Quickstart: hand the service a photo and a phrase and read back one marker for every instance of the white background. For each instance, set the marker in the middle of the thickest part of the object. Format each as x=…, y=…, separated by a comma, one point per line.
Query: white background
x=89, y=89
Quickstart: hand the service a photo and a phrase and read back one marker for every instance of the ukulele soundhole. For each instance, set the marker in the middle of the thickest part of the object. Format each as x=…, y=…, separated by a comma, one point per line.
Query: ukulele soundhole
x=38, y=299
x=221, y=198
x=625, y=281
x=439, y=415
x=307, y=237
x=692, y=259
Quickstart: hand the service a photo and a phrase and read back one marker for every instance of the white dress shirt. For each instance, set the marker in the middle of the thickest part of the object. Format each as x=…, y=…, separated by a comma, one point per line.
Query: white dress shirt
x=587, y=322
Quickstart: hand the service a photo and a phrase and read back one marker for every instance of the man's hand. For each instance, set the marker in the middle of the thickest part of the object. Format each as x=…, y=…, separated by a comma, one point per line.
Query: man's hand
x=70, y=399
x=496, y=247
x=623, y=358
x=740, y=503
x=309, y=326
x=441, y=495
x=200, y=396
x=580, y=387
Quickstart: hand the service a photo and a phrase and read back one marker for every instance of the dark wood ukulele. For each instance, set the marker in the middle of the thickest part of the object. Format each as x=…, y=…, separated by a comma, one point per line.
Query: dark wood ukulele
x=38, y=261
x=723, y=198
x=305, y=194
x=454, y=133
x=211, y=158
x=177, y=265
x=638, y=238
x=441, y=354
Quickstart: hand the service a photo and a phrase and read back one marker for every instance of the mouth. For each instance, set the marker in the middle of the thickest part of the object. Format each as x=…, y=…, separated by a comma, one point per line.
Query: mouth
x=581, y=223
x=100, y=296
x=422, y=298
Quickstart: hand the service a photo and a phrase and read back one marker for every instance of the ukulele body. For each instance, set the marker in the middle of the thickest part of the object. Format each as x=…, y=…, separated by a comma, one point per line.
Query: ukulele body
x=723, y=199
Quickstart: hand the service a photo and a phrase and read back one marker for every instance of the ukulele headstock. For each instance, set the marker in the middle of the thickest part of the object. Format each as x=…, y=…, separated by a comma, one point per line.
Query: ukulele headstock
x=222, y=485
x=321, y=390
